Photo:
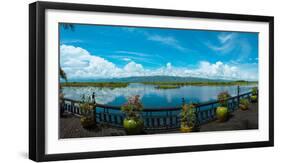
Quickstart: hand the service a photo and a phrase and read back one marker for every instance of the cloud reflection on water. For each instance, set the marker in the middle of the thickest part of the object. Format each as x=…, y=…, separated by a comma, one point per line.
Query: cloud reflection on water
x=151, y=96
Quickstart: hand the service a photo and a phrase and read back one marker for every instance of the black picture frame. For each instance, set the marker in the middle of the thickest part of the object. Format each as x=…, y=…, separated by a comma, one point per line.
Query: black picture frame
x=37, y=79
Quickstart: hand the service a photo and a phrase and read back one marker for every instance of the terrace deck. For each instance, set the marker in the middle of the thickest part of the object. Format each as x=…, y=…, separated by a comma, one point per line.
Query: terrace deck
x=70, y=126
x=239, y=120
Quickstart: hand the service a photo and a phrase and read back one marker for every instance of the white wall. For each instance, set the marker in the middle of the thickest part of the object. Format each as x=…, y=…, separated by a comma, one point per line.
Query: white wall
x=14, y=79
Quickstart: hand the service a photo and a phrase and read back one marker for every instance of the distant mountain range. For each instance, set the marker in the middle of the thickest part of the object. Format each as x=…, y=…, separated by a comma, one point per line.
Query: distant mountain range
x=152, y=79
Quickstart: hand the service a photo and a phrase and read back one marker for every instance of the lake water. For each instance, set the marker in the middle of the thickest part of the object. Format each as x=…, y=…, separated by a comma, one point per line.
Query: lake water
x=152, y=97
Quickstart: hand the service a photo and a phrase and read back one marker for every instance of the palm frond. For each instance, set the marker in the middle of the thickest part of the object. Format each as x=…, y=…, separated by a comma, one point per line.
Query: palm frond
x=68, y=26
x=63, y=74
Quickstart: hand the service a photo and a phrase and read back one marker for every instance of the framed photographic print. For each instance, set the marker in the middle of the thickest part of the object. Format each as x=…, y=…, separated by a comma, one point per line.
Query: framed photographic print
x=110, y=81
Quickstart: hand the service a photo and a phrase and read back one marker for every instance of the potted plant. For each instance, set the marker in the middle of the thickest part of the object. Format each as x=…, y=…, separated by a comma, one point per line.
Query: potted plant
x=254, y=97
x=133, y=124
x=188, y=118
x=61, y=95
x=222, y=110
x=244, y=104
x=61, y=101
x=88, y=117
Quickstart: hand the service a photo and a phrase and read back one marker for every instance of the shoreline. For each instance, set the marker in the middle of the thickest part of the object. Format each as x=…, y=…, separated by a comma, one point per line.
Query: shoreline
x=158, y=85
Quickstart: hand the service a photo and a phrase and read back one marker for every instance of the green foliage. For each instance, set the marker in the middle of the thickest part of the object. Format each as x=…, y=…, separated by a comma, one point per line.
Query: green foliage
x=86, y=106
x=203, y=83
x=244, y=101
x=62, y=74
x=167, y=87
x=188, y=115
x=88, y=119
x=94, y=84
x=254, y=98
x=68, y=26
x=87, y=122
x=222, y=98
x=132, y=108
x=255, y=91
x=244, y=104
x=61, y=95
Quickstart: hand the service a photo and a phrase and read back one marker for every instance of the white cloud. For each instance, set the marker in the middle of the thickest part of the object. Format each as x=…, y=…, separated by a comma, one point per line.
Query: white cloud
x=134, y=68
x=226, y=37
x=169, y=66
x=231, y=43
x=226, y=43
x=70, y=41
x=163, y=39
x=167, y=40
x=133, y=53
x=79, y=63
x=218, y=70
x=129, y=29
x=126, y=59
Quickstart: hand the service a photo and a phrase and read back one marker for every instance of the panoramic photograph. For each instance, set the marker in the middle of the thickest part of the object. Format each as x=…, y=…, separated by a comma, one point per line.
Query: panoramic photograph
x=121, y=80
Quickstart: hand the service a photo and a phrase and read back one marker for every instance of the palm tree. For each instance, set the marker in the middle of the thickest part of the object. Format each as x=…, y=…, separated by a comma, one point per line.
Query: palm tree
x=61, y=94
x=63, y=74
x=68, y=26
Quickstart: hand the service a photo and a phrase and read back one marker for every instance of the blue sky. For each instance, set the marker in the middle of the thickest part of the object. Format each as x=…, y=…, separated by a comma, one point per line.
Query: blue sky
x=95, y=51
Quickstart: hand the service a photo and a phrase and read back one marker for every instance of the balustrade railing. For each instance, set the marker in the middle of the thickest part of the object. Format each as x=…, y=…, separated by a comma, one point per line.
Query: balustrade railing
x=154, y=118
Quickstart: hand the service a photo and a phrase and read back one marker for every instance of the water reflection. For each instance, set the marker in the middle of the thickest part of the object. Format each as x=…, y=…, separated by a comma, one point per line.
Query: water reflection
x=152, y=97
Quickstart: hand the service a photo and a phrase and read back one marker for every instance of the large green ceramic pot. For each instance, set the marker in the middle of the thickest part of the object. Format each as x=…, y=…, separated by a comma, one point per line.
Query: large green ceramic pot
x=185, y=128
x=254, y=98
x=88, y=122
x=132, y=126
x=243, y=107
x=222, y=113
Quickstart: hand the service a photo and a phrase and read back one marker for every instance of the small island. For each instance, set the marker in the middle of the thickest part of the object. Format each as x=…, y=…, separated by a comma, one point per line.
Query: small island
x=167, y=87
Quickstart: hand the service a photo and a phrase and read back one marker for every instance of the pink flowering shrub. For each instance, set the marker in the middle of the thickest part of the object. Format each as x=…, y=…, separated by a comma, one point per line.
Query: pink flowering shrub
x=133, y=107
x=223, y=97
